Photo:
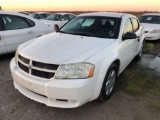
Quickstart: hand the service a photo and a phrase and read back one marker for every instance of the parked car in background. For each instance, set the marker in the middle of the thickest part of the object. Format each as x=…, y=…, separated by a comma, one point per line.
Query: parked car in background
x=80, y=62
x=16, y=28
x=59, y=18
x=151, y=23
x=25, y=13
x=40, y=15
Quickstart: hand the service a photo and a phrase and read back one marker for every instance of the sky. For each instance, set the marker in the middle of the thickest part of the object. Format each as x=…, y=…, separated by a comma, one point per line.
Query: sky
x=80, y=5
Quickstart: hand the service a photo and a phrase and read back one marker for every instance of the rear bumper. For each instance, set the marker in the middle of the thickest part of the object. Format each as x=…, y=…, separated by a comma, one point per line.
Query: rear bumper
x=149, y=36
x=55, y=93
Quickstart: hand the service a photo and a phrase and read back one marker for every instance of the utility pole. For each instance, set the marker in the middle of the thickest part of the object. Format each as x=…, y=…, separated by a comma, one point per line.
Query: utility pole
x=49, y=6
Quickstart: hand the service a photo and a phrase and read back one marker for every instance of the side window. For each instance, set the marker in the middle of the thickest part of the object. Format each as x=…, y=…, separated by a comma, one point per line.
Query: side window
x=42, y=16
x=71, y=17
x=30, y=22
x=127, y=26
x=135, y=24
x=47, y=15
x=0, y=24
x=64, y=18
x=14, y=22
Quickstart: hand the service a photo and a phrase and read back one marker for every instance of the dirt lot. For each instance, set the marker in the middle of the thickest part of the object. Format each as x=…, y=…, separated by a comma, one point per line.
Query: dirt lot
x=136, y=97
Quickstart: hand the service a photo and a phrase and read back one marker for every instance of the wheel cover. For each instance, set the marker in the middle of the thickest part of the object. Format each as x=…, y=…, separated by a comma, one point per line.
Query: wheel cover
x=110, y=82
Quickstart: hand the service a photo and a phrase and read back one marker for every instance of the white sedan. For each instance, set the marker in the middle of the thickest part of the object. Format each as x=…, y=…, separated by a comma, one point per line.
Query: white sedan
x=40, y=15
x=80, y=62
x=151, y=23
x=59, y=18
x=16, y=28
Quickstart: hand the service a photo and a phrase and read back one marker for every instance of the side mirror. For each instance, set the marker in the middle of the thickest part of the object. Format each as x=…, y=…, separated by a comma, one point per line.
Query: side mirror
x=129, y=35
x=56, y=27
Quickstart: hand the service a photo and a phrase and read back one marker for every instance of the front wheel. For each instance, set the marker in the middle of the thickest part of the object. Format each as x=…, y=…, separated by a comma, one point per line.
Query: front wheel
x=108, y=84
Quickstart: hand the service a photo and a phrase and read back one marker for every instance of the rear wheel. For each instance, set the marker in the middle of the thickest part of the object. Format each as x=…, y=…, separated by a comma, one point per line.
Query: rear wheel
x=109, y=83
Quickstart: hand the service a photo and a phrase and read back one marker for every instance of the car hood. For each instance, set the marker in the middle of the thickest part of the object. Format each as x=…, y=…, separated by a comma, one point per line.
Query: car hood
x=150, y=27
x=60, y=48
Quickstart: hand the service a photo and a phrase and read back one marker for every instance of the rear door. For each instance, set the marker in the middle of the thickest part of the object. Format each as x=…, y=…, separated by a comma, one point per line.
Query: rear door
x=137, y=31
x=17, y=30
x=2, y=43
x=127, y=47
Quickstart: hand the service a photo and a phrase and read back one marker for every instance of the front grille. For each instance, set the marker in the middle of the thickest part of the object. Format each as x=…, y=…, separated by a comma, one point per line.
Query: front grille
x=146, y=31
x=44, y=65
x=23, y=67
x=38, y=69
x=23, y=59
x=42, y=74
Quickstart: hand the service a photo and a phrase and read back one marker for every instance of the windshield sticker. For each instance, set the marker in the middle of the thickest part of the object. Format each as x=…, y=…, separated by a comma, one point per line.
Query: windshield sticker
x=88, y=22
x=149, y=18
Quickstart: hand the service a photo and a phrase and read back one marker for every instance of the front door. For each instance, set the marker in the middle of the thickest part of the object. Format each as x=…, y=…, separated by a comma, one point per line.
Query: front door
x=137, y=30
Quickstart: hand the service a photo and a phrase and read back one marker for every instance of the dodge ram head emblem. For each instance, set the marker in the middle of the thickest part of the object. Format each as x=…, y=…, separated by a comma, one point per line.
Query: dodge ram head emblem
x=30, y=66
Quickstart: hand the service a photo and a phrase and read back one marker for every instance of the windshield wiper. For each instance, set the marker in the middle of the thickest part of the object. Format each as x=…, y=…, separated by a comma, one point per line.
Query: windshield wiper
x=83, y=34
x=51, y=19
x=63, y=32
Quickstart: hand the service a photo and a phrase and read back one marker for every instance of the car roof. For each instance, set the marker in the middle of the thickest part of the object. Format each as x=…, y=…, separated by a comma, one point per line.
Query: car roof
x=17, y=14
x=22, y=11
x=41, y=12
x=110, y=14
x=151, y=14
x=11, y=12
x=63, y=13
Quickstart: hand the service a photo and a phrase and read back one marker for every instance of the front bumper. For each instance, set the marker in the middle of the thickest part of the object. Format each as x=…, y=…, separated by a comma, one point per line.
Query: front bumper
x=149, y=36
x=55, y=93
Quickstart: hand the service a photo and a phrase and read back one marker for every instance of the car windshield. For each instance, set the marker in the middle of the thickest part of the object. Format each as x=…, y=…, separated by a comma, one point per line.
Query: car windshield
x=93, y=26
x=34, y=15
x=150, y=19
x=54, y=17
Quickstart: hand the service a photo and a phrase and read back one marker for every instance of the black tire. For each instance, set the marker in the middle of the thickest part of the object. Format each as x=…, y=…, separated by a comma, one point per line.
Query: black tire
x=103, y=94
x=138, y=57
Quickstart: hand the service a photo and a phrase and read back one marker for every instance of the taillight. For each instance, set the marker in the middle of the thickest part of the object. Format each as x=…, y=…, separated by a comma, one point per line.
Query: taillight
x=56, y=27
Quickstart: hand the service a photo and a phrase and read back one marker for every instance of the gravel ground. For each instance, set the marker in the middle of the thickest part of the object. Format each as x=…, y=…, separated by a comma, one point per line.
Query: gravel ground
x=125, y=104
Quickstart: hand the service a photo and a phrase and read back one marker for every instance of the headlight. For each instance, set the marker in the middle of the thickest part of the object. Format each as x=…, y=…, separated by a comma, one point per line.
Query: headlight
x=74, y=71
x=16, y=56
x=155, y=31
